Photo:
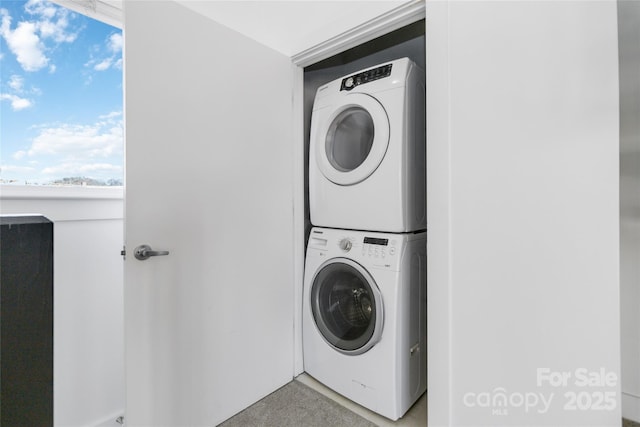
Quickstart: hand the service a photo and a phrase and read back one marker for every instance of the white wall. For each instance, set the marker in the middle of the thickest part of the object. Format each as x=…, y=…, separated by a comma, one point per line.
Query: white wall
x=523, y=211
x=88, y=306
x=629, y=39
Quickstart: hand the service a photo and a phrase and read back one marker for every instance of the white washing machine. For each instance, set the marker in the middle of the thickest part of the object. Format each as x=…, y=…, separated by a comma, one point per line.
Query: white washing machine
x=364, y=316
x=367, y=150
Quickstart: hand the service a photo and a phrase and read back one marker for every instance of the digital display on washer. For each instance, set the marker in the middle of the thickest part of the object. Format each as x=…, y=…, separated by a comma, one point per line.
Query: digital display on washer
x=376, y=241
x=350, y=82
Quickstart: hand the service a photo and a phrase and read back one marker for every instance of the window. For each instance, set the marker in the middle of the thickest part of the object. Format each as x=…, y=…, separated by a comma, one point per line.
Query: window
x=349, y=139
x=61, y=97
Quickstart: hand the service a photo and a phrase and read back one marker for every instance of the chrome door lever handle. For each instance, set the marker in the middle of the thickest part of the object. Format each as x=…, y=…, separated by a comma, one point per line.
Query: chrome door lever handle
x=143, y=252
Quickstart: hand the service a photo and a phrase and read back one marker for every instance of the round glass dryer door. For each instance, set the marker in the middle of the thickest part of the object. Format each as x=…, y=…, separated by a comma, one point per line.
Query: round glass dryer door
x=347, y=306
x=353, y=140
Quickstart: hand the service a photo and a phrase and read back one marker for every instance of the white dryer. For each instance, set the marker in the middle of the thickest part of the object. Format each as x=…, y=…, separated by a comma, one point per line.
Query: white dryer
x=367, y=150
x=364, y=316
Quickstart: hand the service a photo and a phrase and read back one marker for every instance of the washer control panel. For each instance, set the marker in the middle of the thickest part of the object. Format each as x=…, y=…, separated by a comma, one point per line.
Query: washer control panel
x=374, y=247
x=367, y=76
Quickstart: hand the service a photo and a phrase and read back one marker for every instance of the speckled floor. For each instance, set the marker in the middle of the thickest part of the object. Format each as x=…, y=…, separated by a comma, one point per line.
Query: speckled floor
x=305, y=402
x=296, y=405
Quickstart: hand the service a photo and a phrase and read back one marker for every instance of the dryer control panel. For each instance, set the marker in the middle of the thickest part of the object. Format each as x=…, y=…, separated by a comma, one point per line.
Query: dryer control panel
x=363, y=77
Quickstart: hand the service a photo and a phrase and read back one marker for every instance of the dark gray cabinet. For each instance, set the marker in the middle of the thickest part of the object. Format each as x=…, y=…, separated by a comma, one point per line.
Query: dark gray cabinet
x=26, y=321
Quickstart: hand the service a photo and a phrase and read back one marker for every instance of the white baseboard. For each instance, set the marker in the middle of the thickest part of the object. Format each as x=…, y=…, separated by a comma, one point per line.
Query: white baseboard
x=631, y=407
x=110, y=421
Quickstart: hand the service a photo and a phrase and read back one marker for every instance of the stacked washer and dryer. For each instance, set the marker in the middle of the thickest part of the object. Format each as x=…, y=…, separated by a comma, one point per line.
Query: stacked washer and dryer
x=364, y=307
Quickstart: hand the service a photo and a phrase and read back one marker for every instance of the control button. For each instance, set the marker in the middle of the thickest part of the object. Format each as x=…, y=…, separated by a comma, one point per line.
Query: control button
x=345, y=245
x=392, y=250
x=349, y=82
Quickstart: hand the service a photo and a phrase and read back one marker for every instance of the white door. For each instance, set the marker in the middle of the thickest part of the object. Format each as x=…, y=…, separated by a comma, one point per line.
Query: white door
x=209, y=328
x=356, y=325
x=351, y=142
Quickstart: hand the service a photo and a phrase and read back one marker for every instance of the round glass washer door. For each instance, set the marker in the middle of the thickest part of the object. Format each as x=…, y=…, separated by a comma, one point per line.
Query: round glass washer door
x=353, y=141
x=347, y=306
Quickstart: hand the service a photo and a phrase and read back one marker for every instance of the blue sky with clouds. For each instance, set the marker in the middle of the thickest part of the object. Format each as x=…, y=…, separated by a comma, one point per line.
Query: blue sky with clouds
x=60, y=95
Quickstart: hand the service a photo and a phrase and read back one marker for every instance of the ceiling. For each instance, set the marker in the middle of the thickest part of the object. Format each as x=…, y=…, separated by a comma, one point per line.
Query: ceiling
x=289, y=27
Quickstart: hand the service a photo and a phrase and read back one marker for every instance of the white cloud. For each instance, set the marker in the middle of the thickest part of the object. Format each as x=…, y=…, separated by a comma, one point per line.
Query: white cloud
x=19, y=155
x=24, y=43
x=41, y=8
x=75, y=168
x=100, y=167
x=17, y=103
x=114, y=60
x=57, y=30
x=35, y=90
x=80, y=142
x=52, y=22
x=15, y=168
x=115, y=42
x=111, y=115
x=16, y=83
x=104, y=65
x=69, y=149
x=16, y=93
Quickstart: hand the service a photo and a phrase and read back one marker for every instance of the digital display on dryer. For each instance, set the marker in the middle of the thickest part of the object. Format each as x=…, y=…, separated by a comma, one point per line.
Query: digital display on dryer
x=376, y=241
